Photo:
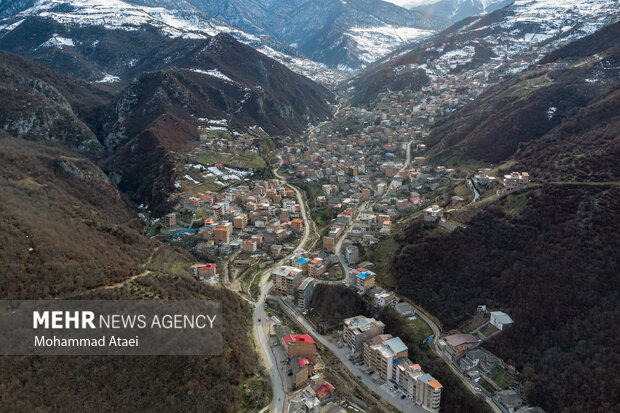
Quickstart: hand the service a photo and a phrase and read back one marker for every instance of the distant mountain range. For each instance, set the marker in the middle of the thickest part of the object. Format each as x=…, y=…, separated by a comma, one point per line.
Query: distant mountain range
x=334, y=32
x=518, y=32
x=165, y=86
x=455, y=10
x=331, y=32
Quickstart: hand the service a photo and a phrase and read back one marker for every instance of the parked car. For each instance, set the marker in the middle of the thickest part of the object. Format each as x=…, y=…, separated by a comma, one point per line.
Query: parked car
x=402, y=397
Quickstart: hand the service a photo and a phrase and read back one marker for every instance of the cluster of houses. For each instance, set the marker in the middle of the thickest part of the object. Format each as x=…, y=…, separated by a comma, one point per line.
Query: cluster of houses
x=258, y=219
x=387, y=356
x=310, y=390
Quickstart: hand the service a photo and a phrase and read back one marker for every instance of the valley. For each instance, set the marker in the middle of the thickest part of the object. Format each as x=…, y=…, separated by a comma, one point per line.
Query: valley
x=396, y=213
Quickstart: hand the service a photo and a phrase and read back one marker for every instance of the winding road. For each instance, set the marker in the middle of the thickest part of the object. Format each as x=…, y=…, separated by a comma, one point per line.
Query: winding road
x=259, y=315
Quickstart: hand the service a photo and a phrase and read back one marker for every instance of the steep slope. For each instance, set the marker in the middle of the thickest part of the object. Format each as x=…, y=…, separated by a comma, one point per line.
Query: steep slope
x=144, y=167
x=553, y=267
x=501, y=43
x=42, y=105
x=560, y=121
x=548, y=256
x=100, y=41
x=455, y=10
x=221, y=78
x=67, y=233
x=333, y=32
x=87, y=237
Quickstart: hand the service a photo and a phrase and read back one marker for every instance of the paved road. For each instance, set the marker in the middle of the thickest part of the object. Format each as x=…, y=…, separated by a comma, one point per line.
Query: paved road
x=279, y=395
x=277, y=403
x=403, y=405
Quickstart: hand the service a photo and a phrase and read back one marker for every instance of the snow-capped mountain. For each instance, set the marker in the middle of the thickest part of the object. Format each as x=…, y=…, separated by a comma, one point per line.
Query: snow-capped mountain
x=334, y=32
x=455, y=10
x=503, y=42
x=74, y=16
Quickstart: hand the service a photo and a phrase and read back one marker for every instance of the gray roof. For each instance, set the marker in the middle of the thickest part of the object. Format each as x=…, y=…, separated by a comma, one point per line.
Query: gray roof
x=404, y=308
x=502, y=317
x=396, y=345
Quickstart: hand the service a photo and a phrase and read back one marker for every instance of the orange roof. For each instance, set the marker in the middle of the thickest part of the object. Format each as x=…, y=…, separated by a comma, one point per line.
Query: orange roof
x=435, y=384
x=298, y=220
x=221, y=229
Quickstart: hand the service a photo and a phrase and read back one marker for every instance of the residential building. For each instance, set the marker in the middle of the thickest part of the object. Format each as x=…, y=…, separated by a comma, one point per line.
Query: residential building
x=428, y=393
x=458, y=343
x=300, y=345
x=515, y=180
x=304, y=292
x=351, y=253
x=404, y=309
x=329, y=243
x=364, y=279
x=500, y=319
x=204, y=270
x=223, y=233
x=297, y=225
x=286, y=279
x=169, y=220
x=302, y=370
x=383, y=354
x=249, y=246
x=432, y=213
x=240, y=221
x=358, y=329
x=302, y=264
x=371, y=357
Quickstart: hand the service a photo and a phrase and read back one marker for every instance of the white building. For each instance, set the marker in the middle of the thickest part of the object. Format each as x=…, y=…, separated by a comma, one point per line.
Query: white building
x=500, y=319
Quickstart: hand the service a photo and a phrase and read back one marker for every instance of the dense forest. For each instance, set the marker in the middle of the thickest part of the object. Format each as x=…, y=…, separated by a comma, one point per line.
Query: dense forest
x=146, y=383
x=549, y=258
x=66, y=232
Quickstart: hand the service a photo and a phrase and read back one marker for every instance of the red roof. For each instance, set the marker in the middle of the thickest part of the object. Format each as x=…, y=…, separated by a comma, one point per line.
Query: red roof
x=303, y=362
x=325, y=390
x=298, y=337
x=203, y=266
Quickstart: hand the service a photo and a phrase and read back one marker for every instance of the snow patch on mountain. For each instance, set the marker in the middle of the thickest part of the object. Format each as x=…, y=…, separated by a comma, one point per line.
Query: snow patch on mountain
x=58, y=42
x=375, y=42
x=119, y=15
x=108, y=78
x=214, y=73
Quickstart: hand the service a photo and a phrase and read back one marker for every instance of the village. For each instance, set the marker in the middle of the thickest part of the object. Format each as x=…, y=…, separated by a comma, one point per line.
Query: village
x=312, y=216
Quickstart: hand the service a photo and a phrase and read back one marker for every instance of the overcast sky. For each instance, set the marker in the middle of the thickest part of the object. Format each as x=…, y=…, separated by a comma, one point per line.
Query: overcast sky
x=406, y=3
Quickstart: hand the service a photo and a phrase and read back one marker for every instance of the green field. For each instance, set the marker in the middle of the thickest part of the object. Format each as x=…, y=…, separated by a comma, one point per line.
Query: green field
x=381, y=255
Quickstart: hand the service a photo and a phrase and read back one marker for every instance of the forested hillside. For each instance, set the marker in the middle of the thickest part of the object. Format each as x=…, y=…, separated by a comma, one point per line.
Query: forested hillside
x=548, y=258
x=66, y=232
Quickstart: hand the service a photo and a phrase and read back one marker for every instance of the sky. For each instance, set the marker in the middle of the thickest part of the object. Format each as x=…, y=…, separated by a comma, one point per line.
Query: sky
x=407, y=3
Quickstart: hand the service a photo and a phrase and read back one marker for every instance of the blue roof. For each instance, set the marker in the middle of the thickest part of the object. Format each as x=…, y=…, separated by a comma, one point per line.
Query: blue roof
x=302, y=261
x=364, y=275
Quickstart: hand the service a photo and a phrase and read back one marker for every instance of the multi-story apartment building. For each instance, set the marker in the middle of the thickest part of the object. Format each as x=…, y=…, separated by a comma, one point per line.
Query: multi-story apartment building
x=304, y=292
x=300, y=345
x=286, y=279
x=383, y=354
x=297, y=225
x=223, y=233
x=240, y=221
x=364, y=279
x=358, y=329
x=370, y=357
x=329, y=243
x=428, y=392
